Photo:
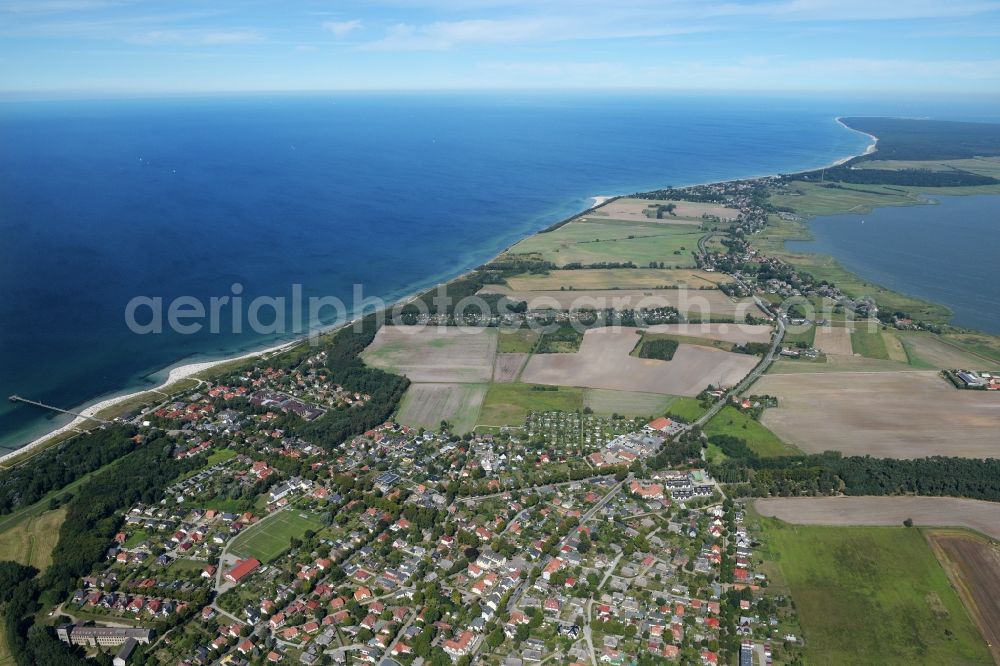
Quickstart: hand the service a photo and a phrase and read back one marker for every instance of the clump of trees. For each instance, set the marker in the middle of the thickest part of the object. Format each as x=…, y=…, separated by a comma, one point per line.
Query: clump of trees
x=662, y=349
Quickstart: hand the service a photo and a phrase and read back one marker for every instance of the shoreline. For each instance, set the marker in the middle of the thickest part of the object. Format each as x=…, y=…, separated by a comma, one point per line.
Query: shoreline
x=185, y=371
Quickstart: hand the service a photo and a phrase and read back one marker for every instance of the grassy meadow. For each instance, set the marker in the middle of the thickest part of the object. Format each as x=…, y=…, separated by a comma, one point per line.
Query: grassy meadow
x=872, y=595
x=731, y=421
x=590, y=241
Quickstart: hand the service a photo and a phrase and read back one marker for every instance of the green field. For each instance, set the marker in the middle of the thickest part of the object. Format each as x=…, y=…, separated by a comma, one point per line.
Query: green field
x=869, y=344
x=808, y=336
x=509, y=404
x=31, y=541
x=626, y=403
x=872, y=595
x=731, y=421
x=271, y=537
x=519, y=341
x=590, y=241
x=811, y=199
x=685, y=409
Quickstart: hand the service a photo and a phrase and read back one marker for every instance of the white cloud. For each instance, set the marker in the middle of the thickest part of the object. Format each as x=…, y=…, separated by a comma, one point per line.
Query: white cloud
x=198, y=37
x=341, y=28
x=543, y=29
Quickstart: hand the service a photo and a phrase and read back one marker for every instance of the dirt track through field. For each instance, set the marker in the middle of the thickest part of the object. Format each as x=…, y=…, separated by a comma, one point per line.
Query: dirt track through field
x=508, y=367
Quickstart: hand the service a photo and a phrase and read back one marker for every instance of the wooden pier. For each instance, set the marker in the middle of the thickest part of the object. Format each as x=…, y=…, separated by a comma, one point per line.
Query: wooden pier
x=17, y=398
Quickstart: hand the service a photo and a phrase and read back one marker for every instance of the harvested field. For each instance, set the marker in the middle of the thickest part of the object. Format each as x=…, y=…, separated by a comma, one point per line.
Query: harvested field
x=426, y=405
x=977, y=515
x=928, y=350
x=434, y=354
x=617, y=278
x=689, y=212
x=973, y=565
x=833, y=340
x=626, y=403
x=694, y=303
x=508, y=367
x=907, y=414
x=604, y=362
x=735, y=333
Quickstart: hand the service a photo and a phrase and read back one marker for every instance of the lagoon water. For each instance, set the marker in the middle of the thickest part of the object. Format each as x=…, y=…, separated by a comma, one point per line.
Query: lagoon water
x=945, y=253
x=102, y=201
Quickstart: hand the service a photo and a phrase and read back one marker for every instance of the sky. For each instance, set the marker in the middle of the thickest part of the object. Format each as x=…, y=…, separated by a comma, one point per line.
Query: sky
x=205, y=46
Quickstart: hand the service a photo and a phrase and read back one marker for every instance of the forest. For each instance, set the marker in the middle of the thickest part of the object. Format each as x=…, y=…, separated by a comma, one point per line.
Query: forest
x=59, y=466
x=912, y=139
x=830, y=472
x=900, y=177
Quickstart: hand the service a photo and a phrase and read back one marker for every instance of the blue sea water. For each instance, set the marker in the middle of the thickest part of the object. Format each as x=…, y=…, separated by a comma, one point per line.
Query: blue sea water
x=945, y=253
x=105, y=200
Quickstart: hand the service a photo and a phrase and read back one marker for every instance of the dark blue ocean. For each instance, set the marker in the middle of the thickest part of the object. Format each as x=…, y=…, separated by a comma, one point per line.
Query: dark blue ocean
x=102, y=201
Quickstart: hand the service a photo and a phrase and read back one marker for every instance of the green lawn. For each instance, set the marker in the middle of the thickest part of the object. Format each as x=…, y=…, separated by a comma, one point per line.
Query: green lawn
x=509, y=404
x=731, y=421
x=590, y=241
x=135, y=538
x=872, y=595
x=220, y=455
x=868, y=343
x=271, y=537
x=520, y=341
